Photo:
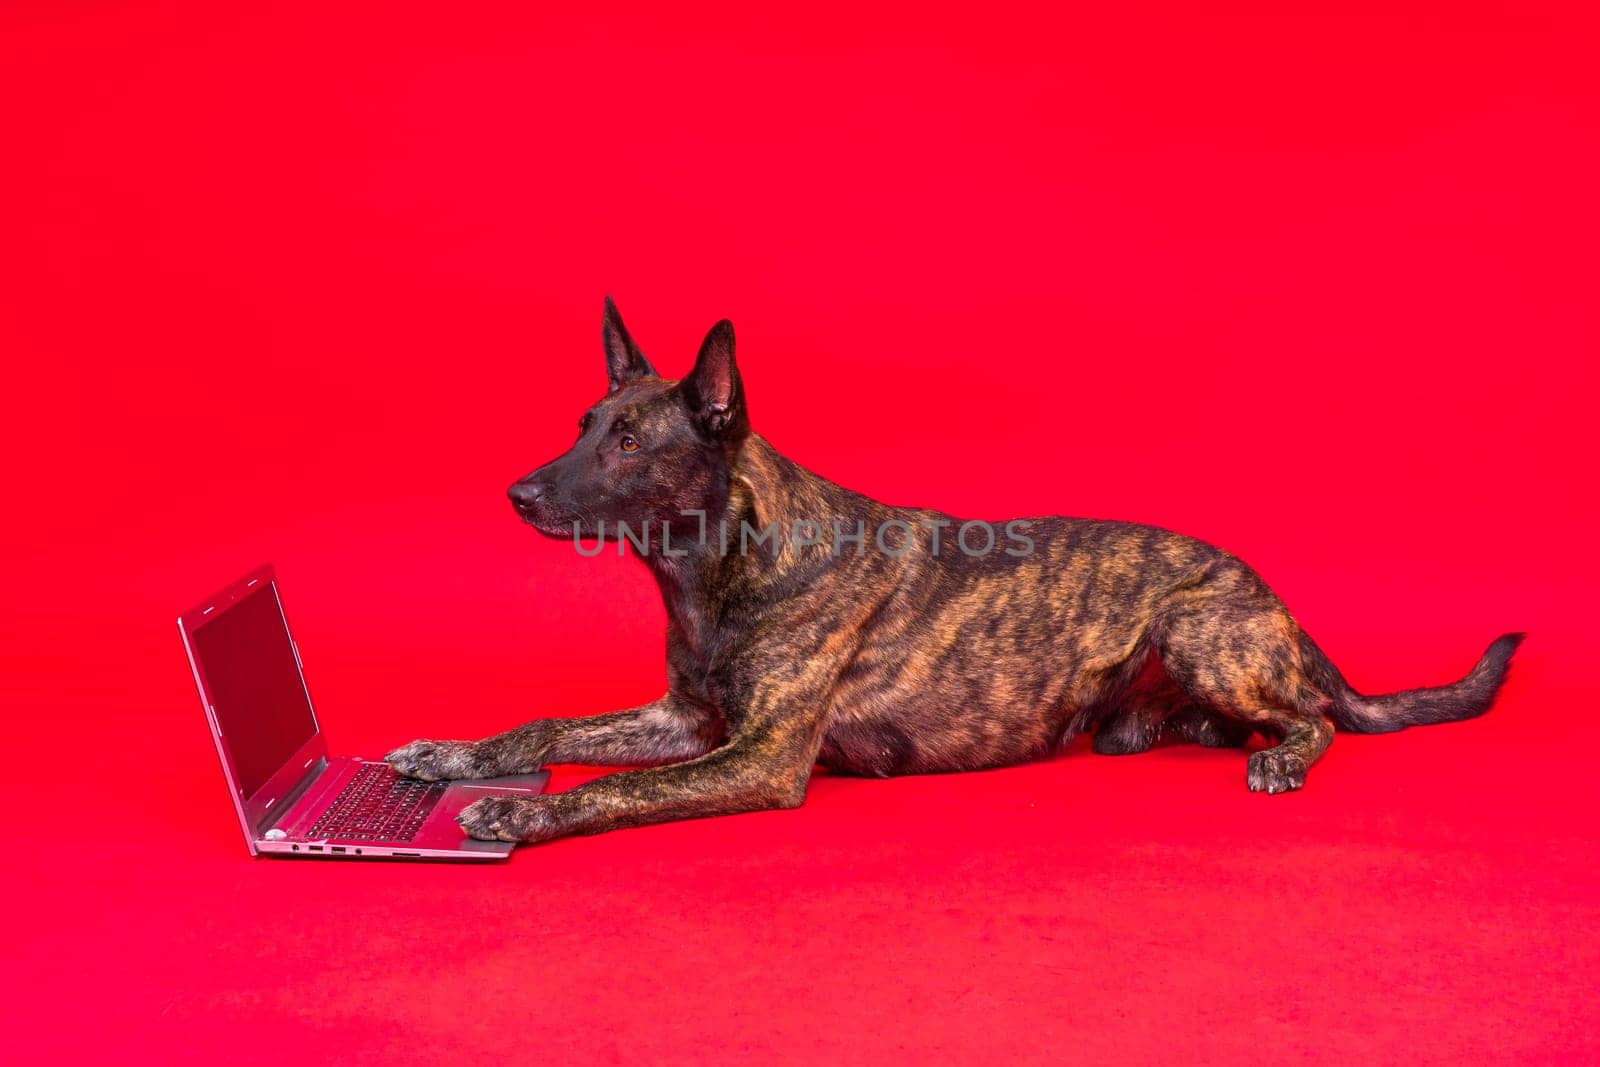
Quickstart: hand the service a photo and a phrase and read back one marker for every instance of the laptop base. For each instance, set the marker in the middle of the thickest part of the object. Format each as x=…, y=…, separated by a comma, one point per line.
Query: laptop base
x=440, y=837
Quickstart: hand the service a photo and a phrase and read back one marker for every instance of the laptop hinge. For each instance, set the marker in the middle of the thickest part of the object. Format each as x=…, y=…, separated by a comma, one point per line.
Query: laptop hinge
x=292, y=797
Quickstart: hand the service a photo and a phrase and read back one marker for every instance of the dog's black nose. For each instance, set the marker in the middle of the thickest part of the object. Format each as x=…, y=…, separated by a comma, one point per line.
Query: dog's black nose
x=525, y=494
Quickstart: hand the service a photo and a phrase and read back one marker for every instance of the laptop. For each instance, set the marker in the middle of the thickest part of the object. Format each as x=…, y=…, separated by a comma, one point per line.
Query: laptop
x=292, y=798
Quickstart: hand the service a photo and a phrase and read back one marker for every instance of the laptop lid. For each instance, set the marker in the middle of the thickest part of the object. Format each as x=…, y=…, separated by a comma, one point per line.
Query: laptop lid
x=251, y=684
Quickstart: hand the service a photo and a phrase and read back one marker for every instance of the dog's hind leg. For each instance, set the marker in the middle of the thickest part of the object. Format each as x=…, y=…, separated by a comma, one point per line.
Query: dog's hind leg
x=1155, y=710
x=1283, y=767
x=1141, y=727
x=1139, y=708
x=664, y=731
x=1196, y=725
x=1129, y=730
x=1233, y=649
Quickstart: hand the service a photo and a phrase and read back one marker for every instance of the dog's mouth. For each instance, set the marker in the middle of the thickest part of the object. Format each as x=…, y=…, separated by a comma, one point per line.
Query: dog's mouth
x=542, y=520
x=543, y=523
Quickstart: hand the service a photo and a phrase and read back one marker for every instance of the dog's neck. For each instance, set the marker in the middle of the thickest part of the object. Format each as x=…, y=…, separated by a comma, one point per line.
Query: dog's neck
x=730, y=565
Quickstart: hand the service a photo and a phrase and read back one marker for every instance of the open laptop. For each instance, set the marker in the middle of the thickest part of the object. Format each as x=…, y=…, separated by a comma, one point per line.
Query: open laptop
x=292, y=798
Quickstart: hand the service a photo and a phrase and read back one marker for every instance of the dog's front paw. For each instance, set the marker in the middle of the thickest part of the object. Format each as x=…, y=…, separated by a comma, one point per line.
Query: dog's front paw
x=441, y=761
x=1275, y=771
x=503, y=819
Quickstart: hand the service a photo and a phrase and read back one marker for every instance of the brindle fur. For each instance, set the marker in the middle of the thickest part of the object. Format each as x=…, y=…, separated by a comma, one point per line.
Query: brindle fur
x=874, y=663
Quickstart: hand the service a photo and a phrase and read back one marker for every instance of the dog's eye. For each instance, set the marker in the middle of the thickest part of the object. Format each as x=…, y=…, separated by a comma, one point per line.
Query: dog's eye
x=628, y=443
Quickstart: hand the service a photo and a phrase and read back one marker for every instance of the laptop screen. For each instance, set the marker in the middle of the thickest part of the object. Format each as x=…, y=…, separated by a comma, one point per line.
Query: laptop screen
x=263, y=709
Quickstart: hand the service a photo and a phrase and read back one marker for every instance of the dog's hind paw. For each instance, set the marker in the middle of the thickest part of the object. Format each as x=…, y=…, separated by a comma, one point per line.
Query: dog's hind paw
x=1274, y=771
x=440, y=761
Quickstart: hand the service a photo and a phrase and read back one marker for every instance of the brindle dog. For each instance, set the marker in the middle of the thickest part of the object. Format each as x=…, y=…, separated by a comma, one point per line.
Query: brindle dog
x=807, y=624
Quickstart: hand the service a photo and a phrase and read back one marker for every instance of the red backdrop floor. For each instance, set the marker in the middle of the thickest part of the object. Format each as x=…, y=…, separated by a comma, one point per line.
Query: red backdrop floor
x=315, y=288
x=1429, y=897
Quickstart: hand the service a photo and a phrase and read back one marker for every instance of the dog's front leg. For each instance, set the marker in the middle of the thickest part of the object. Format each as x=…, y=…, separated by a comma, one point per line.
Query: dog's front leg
x=766, y=764
x=663, y=731
x=736, y=778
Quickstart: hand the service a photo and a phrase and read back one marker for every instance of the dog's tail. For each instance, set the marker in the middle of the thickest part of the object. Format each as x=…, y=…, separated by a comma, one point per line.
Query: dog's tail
x=1469, y=697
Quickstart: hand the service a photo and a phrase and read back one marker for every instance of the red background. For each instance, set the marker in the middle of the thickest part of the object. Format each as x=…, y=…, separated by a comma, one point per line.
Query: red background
x=315, y=289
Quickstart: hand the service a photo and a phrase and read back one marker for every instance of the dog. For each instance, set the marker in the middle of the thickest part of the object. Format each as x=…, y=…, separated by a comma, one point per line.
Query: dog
x=809, y=625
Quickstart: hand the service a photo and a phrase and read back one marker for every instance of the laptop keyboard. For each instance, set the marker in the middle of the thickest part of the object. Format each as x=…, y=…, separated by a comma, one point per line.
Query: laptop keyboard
x=379, y=805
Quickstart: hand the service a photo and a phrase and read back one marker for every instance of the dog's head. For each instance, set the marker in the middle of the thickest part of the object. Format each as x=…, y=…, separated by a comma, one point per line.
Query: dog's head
x=649, y=450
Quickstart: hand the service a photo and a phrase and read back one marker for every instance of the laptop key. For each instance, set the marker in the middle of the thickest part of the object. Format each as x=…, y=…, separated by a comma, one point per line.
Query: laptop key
x=378, y=805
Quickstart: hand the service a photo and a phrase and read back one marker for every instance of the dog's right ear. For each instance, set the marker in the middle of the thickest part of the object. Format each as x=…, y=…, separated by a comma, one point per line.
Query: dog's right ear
x=624, y=361
x=713, y=389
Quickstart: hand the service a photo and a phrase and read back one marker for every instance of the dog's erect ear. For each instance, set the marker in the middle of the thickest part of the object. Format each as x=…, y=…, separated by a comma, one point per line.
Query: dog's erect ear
x=624, y=361
x=713, y=390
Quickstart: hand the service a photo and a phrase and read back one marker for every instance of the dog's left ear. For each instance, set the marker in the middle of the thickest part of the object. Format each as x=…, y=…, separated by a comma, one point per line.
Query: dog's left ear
x=624, y=361
x=713, y=390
